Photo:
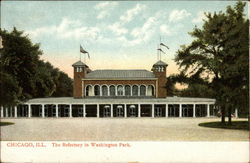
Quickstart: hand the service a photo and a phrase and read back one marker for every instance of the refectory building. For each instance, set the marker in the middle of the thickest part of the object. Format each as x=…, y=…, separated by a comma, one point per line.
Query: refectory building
x=115, y=93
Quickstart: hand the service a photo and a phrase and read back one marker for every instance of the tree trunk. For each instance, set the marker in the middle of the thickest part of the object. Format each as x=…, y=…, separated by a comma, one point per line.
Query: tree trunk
x=229, y=115
x=223, y=113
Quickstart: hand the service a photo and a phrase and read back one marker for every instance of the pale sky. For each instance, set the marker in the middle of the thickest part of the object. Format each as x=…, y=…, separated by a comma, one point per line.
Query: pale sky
x=117, y=34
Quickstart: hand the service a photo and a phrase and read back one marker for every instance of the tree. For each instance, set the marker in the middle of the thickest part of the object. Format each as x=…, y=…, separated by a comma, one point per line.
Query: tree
x=24, y=75
x=219, y=55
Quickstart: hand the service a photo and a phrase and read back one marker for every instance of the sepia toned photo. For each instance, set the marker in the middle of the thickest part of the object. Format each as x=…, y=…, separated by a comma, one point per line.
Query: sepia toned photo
x=115, y=78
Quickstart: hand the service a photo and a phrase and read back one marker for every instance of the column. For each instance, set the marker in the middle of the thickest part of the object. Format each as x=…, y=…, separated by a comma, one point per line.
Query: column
x=43, y=111
x=180, y=110
x=194, y=107
x=10, y=108
x=166, y=110
x=1, y=111
x=139, y=110
x=84, y=110
x=6, y=112
x=153, y=110
x=139, y=90
x=111, y=110
x=208, y=110
x=125, y=111
x=15, y=111
x=70, y=110
x=236, y=113
x=29, y=110
x=56, y=110
x=98, y=111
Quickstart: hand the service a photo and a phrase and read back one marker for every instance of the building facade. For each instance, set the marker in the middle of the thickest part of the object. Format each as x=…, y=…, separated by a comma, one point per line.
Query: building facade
x=115, y=93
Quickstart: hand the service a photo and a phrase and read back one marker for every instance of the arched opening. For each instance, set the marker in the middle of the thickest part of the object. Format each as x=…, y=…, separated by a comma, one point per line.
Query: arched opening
x=142, y=90
x=127, y=90
x=104, y=90
x=87, y=90
x=112, y=90
x=97, y=90
x=150, y=90
x=120, y=90
x=135, y=90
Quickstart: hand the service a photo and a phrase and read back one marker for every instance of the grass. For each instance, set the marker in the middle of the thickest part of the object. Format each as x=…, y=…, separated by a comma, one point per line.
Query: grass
x=236, y=125
x=6, y=123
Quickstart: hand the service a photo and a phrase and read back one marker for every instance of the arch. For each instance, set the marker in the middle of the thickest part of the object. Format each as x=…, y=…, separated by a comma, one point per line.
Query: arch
x=150, y=90
x=88, y=89
x=135, y=90
x=120, y=90
x=104, y=90
x=127, y=90
x=112, y=90
x=142, y=90
x=97, y=90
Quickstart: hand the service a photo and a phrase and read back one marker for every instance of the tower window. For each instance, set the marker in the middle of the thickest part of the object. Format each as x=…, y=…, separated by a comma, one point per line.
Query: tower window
x=97, y=90
x=112, y=90
x=142, y=90
x=120, y=90
x=127, y=90
x=104, y=90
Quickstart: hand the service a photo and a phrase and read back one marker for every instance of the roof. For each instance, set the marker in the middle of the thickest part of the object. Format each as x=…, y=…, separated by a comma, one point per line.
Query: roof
x=79, y=63
x=160, y=63
x=110, y=74
x=167, y=100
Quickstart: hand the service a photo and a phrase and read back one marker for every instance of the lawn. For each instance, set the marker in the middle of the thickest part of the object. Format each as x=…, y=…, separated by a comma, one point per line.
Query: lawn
x=6, y=123
x=236, y=125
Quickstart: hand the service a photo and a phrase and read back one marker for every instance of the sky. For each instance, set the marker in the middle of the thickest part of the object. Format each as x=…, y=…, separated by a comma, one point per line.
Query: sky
x=117, y=34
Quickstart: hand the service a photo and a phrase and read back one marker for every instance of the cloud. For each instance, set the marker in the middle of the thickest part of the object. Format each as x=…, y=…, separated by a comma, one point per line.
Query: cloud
x=177, y=15
x=104, y=9
x=118, y=27
x=199, y=17
x=165, y=29
x=67, y=29
x=131, y=13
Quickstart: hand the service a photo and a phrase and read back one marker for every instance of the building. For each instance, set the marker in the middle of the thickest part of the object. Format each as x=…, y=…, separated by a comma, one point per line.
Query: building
x=116, y=93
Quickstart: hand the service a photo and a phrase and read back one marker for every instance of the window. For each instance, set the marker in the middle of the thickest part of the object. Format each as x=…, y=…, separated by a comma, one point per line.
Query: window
x=127, y=90
x=88, y=90
x=142, y=90
x=104, y=90
x=97, y=90
x=135, y=90
x=112, y=90
x=150, y=90
x=120, y=90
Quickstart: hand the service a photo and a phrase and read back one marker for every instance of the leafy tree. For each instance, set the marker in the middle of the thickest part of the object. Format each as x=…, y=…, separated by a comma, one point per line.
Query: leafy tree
x=24, y=75
x=219, y=56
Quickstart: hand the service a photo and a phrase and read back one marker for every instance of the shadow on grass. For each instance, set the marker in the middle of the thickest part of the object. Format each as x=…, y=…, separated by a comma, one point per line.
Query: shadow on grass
x=6, y=123
x=236, y=125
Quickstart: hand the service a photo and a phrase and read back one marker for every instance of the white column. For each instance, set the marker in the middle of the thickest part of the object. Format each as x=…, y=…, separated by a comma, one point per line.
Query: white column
x=6, y=112
x=194, y=106
x=29, y=110
x=100, y=90
x=139, y=92
x=43, y=115
x=111, y=110
x=139, y=110
x=98, y=111
x=70, y=110
x=125, y=110
x=153, y=110
x=208, y=110
x=166, y=110
x=236, y=113
x=84, y=110
x=15, y=111
x=56, y=110
x=180, y=110
x=2, y=112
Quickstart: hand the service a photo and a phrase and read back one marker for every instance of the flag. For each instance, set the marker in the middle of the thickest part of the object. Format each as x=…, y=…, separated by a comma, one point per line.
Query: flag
x=161, y=50
x=84, y=51
x=164, y=45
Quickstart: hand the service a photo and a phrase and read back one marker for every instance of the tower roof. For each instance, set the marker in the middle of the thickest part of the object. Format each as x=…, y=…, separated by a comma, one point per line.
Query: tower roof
x=79, y=63
x=160, y=63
